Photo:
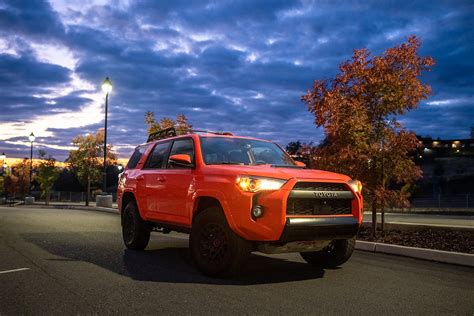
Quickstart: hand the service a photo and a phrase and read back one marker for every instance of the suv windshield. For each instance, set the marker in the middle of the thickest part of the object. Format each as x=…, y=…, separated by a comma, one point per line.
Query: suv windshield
x=241, y=151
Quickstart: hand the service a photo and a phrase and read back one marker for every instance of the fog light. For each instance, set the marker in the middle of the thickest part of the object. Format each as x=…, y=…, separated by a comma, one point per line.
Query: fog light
x=257, y=211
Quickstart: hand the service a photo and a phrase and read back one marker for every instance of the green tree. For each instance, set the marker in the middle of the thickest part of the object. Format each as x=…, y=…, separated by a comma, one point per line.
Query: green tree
x=359, y=110
x=181, y=123
x=87, y=160
x=46, y=174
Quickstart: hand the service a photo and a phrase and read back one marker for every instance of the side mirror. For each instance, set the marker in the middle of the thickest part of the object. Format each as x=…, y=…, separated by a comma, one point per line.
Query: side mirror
x=183, y=160
x=300, y=164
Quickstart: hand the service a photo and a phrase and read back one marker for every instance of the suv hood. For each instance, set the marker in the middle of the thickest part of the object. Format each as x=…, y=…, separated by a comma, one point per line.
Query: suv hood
x=279, y=172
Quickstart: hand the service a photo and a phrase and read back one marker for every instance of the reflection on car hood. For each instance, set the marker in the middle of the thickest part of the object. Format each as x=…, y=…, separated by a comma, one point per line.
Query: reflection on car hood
x=278, y=172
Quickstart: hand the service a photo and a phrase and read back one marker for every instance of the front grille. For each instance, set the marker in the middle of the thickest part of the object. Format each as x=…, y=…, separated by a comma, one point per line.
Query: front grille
x=305, y=201
x=320, y=186
x=298, y=206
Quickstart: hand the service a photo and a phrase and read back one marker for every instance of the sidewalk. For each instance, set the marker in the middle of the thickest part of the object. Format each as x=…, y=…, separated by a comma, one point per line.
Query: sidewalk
x=76, y=206
x=452, y=221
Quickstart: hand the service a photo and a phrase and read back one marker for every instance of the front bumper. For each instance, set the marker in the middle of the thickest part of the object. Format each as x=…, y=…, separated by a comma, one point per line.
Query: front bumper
x=276, y=225
x=321, y=228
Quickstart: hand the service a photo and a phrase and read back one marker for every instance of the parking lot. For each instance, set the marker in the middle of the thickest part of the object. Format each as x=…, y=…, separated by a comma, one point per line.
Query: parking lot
x=72, y=261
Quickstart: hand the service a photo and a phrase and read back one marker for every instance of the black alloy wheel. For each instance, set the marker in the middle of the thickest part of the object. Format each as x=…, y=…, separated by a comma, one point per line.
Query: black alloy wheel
x=135, y=232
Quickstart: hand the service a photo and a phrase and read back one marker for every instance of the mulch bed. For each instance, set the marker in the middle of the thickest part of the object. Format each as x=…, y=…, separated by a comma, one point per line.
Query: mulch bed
x=440, y=239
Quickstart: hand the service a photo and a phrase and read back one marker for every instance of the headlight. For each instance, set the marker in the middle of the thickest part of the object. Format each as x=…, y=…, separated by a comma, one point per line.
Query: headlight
x=356, y=185
x=256, y=184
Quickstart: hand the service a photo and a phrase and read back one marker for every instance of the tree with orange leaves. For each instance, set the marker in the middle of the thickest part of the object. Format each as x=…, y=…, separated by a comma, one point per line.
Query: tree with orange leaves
x=181, y=123
x=17, y=183
x=359, y=109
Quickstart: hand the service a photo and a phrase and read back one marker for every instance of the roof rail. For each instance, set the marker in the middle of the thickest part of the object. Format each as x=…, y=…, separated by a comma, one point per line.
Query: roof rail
x=171, y=132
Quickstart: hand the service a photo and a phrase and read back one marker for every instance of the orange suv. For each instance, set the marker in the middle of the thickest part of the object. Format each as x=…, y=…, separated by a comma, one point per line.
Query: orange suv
x=235, y=195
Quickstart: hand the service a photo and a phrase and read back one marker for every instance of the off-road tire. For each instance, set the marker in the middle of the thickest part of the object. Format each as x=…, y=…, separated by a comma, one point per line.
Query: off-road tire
x=333, y=255
x=215, y=249
x=135, y=232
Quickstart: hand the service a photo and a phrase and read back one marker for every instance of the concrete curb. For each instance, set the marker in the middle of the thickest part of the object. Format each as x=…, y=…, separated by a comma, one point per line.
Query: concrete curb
x=415, y=226
x=95, y=208
x=463, y=259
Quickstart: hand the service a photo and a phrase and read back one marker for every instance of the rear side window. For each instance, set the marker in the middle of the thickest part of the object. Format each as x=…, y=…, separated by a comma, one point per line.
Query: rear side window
x=136, y=156
x=157, y=156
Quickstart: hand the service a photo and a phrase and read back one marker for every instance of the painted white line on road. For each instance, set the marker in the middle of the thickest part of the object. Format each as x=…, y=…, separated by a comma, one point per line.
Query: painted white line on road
x=14, y=270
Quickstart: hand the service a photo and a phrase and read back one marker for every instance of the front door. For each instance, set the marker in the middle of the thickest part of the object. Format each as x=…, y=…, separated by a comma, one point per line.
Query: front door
x=179, y=184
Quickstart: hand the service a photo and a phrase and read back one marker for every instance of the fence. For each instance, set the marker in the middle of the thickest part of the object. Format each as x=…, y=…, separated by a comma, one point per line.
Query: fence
x=440, y=201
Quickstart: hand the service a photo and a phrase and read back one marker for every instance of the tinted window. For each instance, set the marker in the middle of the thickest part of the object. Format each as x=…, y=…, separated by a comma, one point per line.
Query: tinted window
x=157, y=156
x=182, y=146
x=222, y=150
x=136, y=156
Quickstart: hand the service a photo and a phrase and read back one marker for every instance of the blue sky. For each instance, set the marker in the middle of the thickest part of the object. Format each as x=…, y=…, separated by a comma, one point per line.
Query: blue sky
x=238, y=66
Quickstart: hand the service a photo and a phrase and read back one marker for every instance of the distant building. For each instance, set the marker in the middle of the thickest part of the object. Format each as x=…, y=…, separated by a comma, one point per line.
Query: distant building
x=447, y=165
x=435, y=148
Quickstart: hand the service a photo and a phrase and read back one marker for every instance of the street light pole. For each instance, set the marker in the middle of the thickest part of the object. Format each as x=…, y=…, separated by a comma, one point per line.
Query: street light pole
x=106, y=88
x=104, y=183
x=32, y=139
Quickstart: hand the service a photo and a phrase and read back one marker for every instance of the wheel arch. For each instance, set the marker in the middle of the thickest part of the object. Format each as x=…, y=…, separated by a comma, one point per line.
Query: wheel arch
x=204, y=202
x=127, y=197
x=210, y=198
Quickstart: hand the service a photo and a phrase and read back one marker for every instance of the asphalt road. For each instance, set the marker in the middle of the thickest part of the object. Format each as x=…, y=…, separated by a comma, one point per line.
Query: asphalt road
x=424, y=219
x=77, y=264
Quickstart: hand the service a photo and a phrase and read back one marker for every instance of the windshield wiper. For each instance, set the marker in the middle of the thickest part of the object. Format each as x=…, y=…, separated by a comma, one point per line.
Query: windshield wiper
x=225, y=163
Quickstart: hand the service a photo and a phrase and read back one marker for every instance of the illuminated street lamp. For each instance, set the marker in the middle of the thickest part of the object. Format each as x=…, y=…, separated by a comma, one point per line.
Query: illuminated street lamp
x=106, y=88
x=32, y=139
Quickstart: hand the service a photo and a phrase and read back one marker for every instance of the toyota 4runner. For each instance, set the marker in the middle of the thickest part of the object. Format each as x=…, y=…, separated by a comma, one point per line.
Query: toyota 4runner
x=235, y=195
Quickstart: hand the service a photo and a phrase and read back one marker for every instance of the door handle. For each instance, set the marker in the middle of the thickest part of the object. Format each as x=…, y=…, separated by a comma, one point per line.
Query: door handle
x=141, y=177
x=161, y=179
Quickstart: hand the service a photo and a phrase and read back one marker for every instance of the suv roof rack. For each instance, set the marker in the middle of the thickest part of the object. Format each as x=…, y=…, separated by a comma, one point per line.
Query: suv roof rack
x=171, y=132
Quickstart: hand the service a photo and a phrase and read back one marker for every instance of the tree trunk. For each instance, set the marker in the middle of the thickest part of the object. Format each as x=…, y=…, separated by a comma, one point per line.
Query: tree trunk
x=383, y=186
x=88, y=190
x=47, y=197
x=383, y=218
x=374, y=218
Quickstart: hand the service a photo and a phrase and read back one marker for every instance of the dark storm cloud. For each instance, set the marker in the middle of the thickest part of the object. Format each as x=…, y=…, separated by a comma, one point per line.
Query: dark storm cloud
x=436, y=123
x=26, y=72
x=30, y=18
x=240, y=65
